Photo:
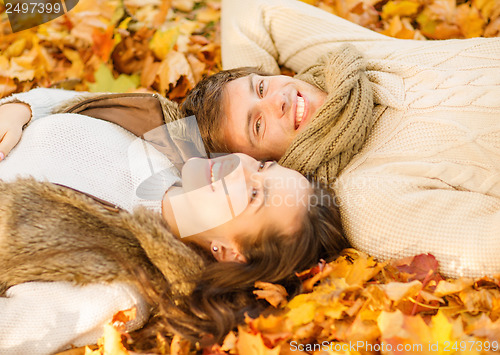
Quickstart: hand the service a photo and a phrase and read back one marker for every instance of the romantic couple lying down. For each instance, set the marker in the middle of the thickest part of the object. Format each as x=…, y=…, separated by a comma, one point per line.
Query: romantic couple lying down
x=403, y=137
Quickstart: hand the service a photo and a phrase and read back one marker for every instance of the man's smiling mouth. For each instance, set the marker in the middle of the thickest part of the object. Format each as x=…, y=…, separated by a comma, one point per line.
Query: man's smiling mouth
x=299, y=114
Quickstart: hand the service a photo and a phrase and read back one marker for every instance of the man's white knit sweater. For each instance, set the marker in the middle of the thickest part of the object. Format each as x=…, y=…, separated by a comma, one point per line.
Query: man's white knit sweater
x=428, y=178
x=96, y=157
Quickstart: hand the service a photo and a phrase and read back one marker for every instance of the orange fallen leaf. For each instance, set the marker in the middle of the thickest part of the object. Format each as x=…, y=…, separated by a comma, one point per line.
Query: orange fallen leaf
x=179, y=346
x=276, y=295
x=252, y=344
x=469, y=20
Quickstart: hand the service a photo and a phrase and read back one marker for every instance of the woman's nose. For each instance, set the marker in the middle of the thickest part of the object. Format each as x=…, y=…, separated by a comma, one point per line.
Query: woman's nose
x=238, y=185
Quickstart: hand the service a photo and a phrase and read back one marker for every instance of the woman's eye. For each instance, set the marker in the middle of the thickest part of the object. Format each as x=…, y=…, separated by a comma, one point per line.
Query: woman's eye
x=254, y=194
x=262, y=165
x=261, y=88
x=257, y=126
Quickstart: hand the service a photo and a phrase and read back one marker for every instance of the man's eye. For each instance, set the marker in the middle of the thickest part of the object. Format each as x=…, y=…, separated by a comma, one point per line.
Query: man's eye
x=257, y=126
x=261, y=88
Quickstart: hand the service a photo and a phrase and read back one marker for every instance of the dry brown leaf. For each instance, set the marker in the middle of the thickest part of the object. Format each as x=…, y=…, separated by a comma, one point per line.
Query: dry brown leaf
x=448, y=287
x=197, y=67
x=172, y=68
x=161, y=16
x=398, y=290
x=229, y=343
x=276, y=295
x=429, y=297
x=478, y=300
x=149, y=71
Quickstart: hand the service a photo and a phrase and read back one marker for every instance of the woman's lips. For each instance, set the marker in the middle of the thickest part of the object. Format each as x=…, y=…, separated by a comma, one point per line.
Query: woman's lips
x=215, y=171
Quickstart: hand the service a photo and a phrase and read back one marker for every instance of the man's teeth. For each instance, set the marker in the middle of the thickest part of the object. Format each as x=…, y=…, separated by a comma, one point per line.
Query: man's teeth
x=300, y=109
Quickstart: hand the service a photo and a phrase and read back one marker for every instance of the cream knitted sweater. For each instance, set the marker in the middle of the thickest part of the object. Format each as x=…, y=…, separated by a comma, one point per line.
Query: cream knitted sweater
x=89, y=155
x=428, y=177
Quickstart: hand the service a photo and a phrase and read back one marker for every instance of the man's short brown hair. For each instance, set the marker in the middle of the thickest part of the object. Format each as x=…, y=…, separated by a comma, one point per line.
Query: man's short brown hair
x=205, y=103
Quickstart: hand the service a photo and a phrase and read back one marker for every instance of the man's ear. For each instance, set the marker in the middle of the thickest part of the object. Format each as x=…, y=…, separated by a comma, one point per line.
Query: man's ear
x=225, y=251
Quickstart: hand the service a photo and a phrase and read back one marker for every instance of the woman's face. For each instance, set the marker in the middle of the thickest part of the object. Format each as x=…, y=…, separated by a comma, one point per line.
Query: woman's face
x=236, y=196
x=263, y=114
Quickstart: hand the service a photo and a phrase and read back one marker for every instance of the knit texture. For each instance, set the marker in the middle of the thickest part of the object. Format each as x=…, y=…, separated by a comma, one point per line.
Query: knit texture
x=41, y=318
x=86, y=154
x=427, y=178
x=341, y=125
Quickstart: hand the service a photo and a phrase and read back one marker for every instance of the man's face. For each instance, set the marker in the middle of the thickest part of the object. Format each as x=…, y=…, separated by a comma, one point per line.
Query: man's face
x=263, y=114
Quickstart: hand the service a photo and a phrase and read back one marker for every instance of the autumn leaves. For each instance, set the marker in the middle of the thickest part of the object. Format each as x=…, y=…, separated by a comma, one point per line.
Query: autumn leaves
x=158, y=46
x=358, y=304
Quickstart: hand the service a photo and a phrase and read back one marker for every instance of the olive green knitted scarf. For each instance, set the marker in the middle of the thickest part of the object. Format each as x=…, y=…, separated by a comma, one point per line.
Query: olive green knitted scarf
x=341, y=125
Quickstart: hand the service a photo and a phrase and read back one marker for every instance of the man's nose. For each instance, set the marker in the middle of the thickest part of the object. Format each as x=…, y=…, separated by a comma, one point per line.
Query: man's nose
x=275, y=104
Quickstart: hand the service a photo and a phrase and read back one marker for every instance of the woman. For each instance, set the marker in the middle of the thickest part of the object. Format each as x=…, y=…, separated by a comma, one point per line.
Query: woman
x=405, y=132
x=64, y=237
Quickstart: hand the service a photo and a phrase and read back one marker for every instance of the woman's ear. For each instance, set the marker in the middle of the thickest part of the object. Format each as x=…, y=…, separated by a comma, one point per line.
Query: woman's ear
x=225, y=251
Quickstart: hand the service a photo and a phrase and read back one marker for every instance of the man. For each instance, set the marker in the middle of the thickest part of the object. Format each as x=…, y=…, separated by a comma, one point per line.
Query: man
x=413, y=154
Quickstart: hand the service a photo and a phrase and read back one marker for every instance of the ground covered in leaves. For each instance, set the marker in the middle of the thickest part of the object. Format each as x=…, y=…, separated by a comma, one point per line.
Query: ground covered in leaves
x=353, y=305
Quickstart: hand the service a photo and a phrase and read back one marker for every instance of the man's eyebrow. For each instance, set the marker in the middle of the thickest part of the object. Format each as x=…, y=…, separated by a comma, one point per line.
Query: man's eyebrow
x=249, y=115
x=250, y=84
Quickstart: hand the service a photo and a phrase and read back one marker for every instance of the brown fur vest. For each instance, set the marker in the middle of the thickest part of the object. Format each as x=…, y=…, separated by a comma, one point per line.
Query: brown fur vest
x=52, y=233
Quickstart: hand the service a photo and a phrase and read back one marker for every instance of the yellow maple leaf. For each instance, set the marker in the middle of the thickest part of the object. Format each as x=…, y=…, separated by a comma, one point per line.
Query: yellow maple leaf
x=399, y=8
x=302, y=310
x=105, y=82
x=163, y=42
x=441, y=330
x=363, y=269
